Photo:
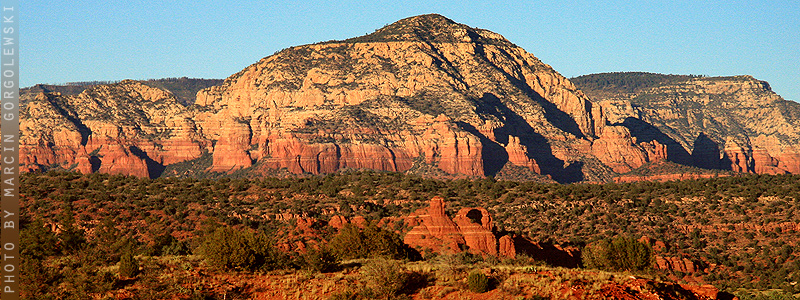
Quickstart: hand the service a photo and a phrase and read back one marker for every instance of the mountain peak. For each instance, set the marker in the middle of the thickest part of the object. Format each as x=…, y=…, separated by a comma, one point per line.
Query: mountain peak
x=432, y=28
x=427, y=20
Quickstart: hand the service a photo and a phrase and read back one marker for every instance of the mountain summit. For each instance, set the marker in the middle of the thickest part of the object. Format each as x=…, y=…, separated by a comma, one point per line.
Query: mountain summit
x=432, y=28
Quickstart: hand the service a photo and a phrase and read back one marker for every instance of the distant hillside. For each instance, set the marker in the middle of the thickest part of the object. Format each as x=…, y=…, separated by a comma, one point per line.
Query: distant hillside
x=627, y=81
x=185, y=89
x=64, y=89
x=606, y=84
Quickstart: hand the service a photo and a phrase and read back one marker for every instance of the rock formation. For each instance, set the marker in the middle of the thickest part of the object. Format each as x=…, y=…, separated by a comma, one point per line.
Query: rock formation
x=434, y=230
x=507, y=248
x=337, y=222
x=476, y=225
x=422, y=90
x=675, y=264
x=471, y=229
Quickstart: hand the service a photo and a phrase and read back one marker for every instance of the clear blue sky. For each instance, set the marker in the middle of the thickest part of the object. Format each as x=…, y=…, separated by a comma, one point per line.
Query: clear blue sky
x=65, y=41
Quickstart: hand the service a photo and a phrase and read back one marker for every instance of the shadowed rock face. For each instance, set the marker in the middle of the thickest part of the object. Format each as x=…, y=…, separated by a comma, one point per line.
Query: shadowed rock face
x=705, y=153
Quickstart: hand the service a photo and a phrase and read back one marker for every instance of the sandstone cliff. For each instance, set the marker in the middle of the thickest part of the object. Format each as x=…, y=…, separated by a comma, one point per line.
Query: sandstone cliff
x=728, y=123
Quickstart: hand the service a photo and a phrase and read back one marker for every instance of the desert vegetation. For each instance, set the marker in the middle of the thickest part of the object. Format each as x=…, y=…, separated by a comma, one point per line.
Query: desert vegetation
x=628, y=82
x=112, y=235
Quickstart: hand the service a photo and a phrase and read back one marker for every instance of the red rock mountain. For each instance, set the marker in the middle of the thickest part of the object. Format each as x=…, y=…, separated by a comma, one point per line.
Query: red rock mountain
x=422, y=93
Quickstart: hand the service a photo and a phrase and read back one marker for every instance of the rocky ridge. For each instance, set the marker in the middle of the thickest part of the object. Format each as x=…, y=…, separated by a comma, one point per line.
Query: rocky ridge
x=729, y=123
x=124, y=128
x=376, y=102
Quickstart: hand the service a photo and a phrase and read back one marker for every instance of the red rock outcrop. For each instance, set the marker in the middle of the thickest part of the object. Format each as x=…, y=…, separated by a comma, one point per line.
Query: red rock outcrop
x=740, y=160
x=476, y=225
x=518, y=155
x=617, y=149
x=231, y=150
x=337, y=222
x=771, y=154
x=303, y=157
x=359, y=221
x=434, y=229
x=472, y=229
x=119, y=128
x=656, y=152
x=117, y=160
x=675, y=264
x=507, y=248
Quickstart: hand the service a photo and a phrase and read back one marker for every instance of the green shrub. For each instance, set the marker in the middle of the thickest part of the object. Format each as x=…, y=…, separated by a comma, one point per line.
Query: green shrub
x=229, y=248
x=371, y=242
x=385, y=278
x=477, y=282
x=37, y=241
x=344, y=295
x=128, y=266
x=166, y=244
x=320, y=260
x=619, y=254
x=770, y=295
